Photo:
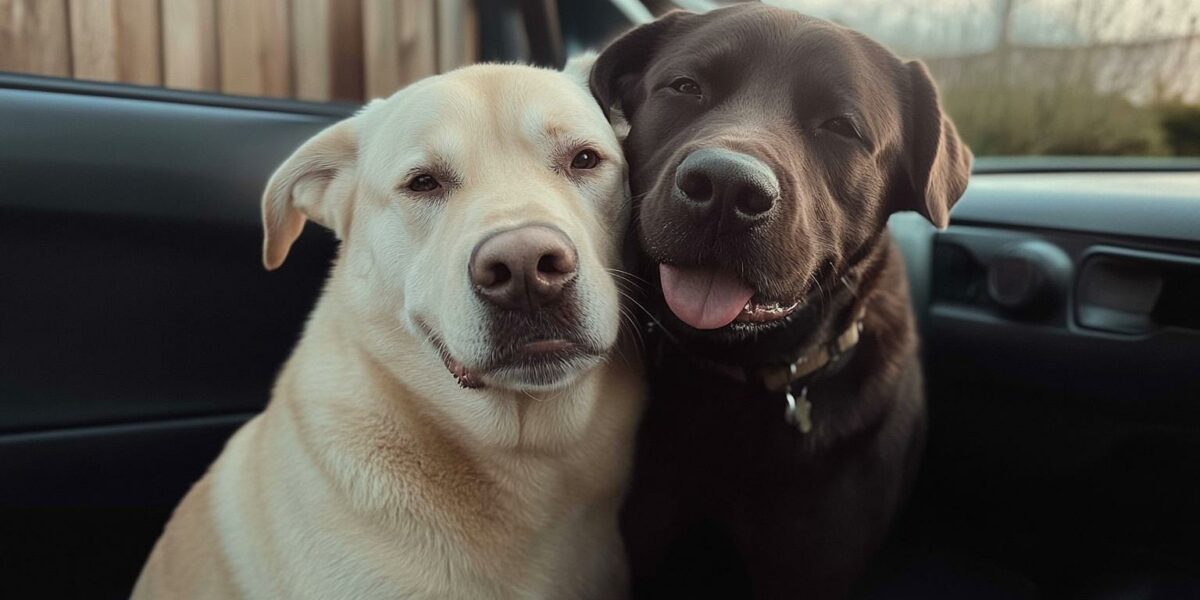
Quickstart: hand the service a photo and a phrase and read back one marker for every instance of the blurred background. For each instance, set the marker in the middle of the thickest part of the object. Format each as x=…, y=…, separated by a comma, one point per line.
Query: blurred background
x=1063, y=77
x=1020, y=77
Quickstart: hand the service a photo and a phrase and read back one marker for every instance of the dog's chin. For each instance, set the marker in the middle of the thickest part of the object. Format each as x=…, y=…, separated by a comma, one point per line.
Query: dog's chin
x=544, y=374
x=535, y=365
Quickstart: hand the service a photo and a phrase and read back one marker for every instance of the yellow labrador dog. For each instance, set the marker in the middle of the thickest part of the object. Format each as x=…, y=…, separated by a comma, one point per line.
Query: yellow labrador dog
x=455, y=421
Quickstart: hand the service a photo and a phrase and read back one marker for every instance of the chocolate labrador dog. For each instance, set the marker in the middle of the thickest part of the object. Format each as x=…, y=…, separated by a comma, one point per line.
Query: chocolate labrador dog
x=767, y=150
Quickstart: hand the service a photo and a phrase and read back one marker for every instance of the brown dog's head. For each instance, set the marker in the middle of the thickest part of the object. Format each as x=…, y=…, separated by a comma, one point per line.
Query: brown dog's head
x=767, y=150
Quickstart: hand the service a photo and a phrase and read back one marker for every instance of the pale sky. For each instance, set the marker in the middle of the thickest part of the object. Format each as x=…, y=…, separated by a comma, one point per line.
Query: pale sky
x=938, y=27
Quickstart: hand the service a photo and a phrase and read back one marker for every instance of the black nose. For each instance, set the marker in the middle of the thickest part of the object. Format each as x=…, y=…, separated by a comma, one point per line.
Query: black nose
x=524, y=268
x=715, y=182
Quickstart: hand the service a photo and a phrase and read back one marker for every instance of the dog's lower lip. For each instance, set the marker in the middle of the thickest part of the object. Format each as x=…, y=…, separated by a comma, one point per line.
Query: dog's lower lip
x=462, y=375
x=765, y=312
x=540, y=351
x=759, y=311
x=547, y=346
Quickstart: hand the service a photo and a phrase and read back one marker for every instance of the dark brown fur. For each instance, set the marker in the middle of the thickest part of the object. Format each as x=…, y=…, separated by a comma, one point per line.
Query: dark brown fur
x=803, y=513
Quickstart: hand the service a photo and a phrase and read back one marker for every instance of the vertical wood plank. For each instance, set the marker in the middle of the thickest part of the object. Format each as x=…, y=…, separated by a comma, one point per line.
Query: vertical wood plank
x=400, y=43
x=116, y=40
x=457, y=36
x=190, y=44
x=470, y=35
x=93, y=40
x=33, y=37
x=328, y=49
x=254, y=46
x=139, y=42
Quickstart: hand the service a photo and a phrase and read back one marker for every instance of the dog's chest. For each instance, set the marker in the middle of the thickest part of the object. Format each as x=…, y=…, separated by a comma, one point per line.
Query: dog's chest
x=707, y=426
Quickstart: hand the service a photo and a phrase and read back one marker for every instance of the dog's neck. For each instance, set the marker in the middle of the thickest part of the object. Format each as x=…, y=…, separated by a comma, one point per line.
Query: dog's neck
x=391, y=433
x=391, y=424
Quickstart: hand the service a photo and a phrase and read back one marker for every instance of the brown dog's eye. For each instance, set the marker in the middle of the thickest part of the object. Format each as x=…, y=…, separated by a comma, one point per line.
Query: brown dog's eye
x=842, y=126
x=586, y=159
x=423, y=183
x=683, y=85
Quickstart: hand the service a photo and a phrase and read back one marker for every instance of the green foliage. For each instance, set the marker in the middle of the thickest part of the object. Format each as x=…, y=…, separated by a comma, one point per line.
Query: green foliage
x=998, y=119
x=1181, y=123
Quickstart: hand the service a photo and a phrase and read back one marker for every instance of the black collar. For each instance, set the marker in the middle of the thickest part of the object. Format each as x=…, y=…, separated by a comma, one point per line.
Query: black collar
x=789, y=380
x=818, y=363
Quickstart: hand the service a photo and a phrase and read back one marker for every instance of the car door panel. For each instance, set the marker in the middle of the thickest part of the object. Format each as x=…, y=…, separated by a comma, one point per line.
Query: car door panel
x=1063, y=444
x=138, y=327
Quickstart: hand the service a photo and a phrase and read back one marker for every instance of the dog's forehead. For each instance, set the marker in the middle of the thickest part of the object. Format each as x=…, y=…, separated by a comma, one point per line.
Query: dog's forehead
x=750, y=38
x=490, y=105
x=784, y=58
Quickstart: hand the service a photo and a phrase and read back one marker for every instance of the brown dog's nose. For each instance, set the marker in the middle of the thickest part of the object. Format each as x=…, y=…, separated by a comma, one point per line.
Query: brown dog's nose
x=713, y=181
x=524, y=268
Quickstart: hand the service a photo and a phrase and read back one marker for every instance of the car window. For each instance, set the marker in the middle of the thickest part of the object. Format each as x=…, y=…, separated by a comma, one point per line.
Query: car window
x=1049, y=77
x=1019, y=77
x=303, y=49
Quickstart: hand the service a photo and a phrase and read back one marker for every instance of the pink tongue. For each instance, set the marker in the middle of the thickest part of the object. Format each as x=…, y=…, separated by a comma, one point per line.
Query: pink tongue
x=703, y=298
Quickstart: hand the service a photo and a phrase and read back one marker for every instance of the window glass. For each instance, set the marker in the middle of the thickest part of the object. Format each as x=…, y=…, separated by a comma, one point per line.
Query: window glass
x=1062, y=77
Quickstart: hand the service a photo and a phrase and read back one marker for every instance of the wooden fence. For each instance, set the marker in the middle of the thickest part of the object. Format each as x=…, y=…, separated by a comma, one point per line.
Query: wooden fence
x=308, y=49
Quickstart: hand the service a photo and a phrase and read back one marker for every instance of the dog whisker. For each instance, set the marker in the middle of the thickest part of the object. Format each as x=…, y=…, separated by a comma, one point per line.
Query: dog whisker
x=627, y=275
x=653, y=319
x=850, y=286
x=630, y=320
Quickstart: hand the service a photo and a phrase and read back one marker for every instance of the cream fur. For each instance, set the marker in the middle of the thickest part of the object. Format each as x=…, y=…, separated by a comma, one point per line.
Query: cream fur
x=371, y=473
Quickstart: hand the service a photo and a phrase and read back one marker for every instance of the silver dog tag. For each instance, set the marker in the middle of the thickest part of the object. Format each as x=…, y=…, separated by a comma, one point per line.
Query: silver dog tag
x=799, y=411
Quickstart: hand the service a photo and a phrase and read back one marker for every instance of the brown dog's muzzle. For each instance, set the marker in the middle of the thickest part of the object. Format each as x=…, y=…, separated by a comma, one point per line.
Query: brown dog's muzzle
x=718, y=185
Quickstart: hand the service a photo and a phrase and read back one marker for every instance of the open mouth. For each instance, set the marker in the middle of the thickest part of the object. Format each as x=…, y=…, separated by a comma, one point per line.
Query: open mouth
x=765, y=312
x=709, y=298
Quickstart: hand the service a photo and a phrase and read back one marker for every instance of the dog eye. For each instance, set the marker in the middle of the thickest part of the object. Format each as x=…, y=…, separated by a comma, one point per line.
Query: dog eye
x=423, y=183
x=586, y=159
x=684, y=85
x=842, y=126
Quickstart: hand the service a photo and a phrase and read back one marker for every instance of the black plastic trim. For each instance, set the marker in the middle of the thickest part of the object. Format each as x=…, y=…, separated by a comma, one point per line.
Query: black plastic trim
x=1085, y=164
x=58, y=85
x=138, y=155
x=1156, y=206
x=111, y=465
x=171, y=424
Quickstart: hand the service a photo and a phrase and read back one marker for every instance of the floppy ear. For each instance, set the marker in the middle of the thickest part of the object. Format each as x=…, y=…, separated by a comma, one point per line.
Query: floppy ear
x=307, y=186
x=938, y=162
x=579, y=67
x=619, y=67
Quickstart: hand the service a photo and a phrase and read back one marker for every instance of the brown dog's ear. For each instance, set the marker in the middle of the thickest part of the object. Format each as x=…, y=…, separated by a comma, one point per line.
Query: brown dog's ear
x=938, y=162
x=619, y=67
x=304, y=187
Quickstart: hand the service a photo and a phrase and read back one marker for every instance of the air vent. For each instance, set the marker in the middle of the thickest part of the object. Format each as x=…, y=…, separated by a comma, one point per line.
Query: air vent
x=958, y=276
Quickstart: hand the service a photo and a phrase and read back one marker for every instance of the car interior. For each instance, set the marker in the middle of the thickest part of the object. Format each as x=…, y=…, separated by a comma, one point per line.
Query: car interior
x=1059, y=312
